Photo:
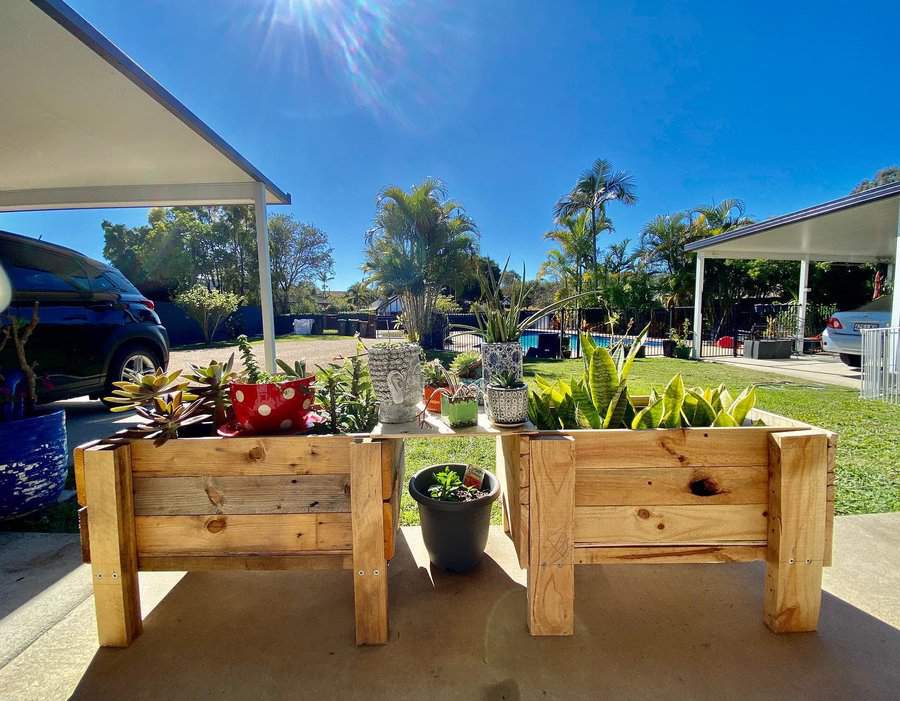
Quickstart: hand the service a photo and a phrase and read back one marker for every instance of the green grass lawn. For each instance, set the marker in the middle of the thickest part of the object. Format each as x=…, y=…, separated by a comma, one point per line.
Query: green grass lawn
x=868, y=459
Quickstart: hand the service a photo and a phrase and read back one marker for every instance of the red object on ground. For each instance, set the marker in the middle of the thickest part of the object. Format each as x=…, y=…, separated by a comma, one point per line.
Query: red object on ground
x=725, y=342
x=432, y=398
x=273, y=407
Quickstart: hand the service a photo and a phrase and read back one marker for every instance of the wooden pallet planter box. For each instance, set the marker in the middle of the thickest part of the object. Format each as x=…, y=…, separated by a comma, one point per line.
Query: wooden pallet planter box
x=267, y=503
x=697, y=495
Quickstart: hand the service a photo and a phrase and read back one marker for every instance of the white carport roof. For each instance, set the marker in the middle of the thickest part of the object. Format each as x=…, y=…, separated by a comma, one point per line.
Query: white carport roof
x=83, y=126
x=860, y=228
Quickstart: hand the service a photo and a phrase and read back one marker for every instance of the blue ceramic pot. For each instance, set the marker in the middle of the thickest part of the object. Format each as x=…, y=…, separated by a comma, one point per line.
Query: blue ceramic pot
x=34, y=462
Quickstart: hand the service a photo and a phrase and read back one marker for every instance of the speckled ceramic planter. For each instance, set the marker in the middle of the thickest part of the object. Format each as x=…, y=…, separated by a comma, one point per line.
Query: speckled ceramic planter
x=501, y=357
x=397, y=378
x=508, y=407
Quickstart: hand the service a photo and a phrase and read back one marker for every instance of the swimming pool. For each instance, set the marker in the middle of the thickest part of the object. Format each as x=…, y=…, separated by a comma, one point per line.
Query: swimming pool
x=529, y=339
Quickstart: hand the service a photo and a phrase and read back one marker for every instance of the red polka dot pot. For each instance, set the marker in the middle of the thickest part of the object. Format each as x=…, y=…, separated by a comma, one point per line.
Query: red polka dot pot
x=275, y=407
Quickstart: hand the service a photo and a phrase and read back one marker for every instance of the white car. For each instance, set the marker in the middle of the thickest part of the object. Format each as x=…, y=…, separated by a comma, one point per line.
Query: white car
x=842, y=336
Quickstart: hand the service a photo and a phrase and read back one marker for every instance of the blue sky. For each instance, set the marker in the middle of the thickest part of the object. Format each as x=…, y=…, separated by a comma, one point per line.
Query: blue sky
x=781, y=104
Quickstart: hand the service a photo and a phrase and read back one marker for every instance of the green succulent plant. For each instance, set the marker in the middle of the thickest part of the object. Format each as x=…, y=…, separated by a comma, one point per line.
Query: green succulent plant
x=507, y=379
x=434, y=373
x=139, y=390
x=164, y=416
x=210, y=383
x=697, y=407
x=448, y=486
x=467, y=365
x=297, y=371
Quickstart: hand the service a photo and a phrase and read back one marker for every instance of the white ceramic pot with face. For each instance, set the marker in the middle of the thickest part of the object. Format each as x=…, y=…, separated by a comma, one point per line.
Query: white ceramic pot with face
x=396, y=372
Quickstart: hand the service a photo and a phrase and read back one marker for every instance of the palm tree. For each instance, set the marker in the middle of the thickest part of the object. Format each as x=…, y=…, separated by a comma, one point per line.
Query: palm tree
x=719, y=218
x=574, y=252
x=420, y=243
x=662, y=248
x=359, y=295
x=592, y=191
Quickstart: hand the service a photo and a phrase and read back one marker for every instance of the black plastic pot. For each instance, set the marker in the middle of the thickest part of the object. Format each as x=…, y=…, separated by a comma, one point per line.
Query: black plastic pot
x=455, y=533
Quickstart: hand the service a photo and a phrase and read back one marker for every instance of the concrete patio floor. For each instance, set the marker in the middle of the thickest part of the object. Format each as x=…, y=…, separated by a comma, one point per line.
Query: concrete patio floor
x=660, y=632
x=819, y=368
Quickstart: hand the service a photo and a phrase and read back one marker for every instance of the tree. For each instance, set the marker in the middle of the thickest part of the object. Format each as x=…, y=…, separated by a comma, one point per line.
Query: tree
x=568, y=262
x=209, y=308
x=360, y=295
x=298, y=253
x=885, y=176
x=662, y=249
x=591, y=193
x=420, y=243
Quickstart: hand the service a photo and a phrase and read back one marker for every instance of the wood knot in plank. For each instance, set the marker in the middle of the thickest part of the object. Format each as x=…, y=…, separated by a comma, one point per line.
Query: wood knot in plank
x=705, y=487
x=257, y=452
x=643, y=513
x=216, y=525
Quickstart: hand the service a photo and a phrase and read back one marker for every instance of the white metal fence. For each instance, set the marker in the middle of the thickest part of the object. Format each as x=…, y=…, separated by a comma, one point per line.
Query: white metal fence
x=881, y=364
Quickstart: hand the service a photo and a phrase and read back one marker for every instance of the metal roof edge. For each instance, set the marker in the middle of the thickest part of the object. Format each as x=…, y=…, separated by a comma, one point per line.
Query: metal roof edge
x=872, y=195
x=91, y=37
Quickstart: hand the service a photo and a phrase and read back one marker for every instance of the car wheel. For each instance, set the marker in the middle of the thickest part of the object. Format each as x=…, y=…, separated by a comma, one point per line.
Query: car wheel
x=136, y=359
x=854, y=361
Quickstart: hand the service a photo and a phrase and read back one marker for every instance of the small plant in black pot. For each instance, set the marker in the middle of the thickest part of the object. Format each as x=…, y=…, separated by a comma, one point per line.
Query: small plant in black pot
x=455, y=512
x=507, y=400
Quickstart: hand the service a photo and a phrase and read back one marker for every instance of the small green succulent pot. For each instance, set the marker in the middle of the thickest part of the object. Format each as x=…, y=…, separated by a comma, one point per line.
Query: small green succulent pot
x=460, y=414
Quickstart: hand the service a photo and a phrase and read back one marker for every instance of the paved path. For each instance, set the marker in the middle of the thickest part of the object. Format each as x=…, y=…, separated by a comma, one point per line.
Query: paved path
x=316, y=351
x=660, y=632
x=820, y=368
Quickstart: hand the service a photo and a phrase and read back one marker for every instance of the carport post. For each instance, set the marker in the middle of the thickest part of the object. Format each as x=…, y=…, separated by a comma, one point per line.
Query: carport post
x=265, y=277
x=698, y=308
x=895, y=302
x=801, y=305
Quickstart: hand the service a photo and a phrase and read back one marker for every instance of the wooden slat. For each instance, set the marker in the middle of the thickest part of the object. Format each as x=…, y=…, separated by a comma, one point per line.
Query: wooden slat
x=392, y=457
x=690, y=447
x=369, y=564
x=257, y=494
x=508, y=466
x=276, y=455
x=201, y=563
x=392, y=505
x=84, y=534
x=551, y=572
x=796, y=530
x=675, y=525
x=242, y=534
x=671, y=485
x=107, y=481
x=671, y=554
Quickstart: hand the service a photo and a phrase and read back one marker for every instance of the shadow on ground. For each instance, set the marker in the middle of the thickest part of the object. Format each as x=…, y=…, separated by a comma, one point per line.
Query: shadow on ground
x=677, y=631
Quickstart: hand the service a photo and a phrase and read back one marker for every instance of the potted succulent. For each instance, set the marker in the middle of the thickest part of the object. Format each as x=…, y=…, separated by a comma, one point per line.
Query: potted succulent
x=500, y=323
x=459, y=403
x=264, y=403
x=396, y=372
x=507, y=400
x=467, y=367
x=434, y=374
x=455, y=513
x=678, y=344
x=33, y=452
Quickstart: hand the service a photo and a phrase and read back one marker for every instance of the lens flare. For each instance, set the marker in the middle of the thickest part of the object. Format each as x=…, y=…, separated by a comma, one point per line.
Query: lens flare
x=388, y=57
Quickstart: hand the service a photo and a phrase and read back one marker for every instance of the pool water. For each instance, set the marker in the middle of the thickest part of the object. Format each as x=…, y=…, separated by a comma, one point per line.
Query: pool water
x=530, y=340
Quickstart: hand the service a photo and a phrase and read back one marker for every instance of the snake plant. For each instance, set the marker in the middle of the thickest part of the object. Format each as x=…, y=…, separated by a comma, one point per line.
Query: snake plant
x=677, y=407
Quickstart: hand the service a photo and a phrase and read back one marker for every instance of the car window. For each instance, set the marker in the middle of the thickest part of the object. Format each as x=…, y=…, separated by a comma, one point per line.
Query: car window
x=33, y=269
x=113, y=277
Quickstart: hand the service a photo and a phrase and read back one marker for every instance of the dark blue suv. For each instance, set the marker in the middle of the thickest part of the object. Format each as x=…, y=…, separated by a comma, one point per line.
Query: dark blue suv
x=94, y=324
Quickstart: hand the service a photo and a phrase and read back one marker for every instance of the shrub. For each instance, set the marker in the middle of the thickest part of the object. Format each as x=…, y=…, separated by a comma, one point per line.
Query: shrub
x=209, y=308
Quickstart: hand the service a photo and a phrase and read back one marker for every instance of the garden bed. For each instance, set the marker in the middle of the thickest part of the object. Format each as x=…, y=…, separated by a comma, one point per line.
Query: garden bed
x=268, y=503
x=693, y=495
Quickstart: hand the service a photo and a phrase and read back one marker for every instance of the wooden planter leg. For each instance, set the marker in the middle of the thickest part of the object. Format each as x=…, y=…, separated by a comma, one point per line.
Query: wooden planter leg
x=798, y=466
x=551, y=548
x=369, y=564
x=114, y=569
